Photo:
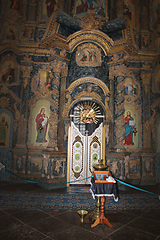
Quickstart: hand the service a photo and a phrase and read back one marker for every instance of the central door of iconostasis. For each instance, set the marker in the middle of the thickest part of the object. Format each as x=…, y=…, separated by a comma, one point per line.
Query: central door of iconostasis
x=86, y=141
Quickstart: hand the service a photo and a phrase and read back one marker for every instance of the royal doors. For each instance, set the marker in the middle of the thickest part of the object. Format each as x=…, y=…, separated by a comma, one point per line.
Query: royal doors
x=84, y=151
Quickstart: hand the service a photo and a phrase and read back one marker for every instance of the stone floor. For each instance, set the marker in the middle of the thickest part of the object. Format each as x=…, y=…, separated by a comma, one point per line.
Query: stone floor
x=20, y=224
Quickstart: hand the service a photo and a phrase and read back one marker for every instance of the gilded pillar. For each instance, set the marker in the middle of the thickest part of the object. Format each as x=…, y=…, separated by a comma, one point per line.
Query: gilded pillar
x=146, y=111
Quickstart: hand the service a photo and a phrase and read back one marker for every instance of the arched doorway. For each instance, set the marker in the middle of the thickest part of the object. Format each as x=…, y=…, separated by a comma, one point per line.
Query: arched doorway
x=86, y=141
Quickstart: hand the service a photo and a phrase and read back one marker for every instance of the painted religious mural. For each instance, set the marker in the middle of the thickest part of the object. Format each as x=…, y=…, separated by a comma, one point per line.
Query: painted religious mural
x=47, y=8
x=131, y=127
x=43, y=80
x=88, y=55
x=128, y=11
x=130, y=88
x=156, y=12
x=40, y=123
x=12, y=5
x=8, y=71
x=99, y=6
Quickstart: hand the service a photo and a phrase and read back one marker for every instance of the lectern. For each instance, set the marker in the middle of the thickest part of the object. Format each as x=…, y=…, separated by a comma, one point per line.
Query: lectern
x=102, y=185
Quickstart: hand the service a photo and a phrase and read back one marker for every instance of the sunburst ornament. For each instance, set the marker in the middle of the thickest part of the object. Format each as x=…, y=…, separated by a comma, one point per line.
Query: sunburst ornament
x=87, y=112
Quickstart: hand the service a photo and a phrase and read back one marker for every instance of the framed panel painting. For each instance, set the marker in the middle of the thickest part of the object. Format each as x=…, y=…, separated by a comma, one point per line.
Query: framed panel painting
x=99, y=6
x=40, y=123
x=9, y=71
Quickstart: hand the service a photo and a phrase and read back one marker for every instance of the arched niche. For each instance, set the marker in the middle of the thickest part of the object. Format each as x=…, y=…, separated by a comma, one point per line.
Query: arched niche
x=90, y=36
x=89, y=95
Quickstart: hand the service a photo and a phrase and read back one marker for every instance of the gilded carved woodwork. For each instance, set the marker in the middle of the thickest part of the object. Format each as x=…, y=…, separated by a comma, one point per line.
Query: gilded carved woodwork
x=146, y=81
x=26, y=70
x=90, y=21
x=51, y=29
x=128, y=32
x=21, y=138
x=93, y=80
x=87, y=36
x=5, y=90
x=87, y=95
x=53, y=121
x=64, y=69
x=154, y=117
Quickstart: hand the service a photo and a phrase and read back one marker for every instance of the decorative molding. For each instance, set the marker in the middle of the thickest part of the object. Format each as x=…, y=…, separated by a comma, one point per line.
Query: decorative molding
x=146, y=81
x=96, y=81
x=87, y=95
x=5, y=90
x=90, y=21
x=93, y=36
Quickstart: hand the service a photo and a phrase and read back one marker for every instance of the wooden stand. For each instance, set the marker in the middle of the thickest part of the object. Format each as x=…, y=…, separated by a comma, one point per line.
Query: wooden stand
x=102, y=219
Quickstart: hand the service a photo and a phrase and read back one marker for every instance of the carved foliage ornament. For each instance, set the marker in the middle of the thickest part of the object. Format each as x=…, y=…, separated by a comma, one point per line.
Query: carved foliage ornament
x=90, y=21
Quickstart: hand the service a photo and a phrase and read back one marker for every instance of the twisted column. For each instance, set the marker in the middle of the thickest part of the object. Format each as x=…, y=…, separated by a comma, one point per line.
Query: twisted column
x=119, y=109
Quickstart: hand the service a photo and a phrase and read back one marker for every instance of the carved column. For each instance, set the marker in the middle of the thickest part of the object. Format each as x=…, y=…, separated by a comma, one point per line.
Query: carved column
x=22, y=126
x=119, y=109
x=61, y=106
x=146, y=112
x=111, y=133
x=57, y=70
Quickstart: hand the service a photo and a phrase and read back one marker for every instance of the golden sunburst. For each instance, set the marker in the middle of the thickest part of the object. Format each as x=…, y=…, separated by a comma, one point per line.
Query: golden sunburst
x=87, y=112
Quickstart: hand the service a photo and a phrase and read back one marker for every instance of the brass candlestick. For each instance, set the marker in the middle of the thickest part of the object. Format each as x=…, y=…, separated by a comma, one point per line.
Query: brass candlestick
x=82, y=214
x=96, y=213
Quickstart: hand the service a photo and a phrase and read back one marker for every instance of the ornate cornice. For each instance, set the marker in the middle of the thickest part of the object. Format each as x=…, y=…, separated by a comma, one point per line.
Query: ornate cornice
x=96, y=81
x=94, y=36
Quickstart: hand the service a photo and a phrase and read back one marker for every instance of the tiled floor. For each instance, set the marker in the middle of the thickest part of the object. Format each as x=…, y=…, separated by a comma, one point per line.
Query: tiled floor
x=20, y=224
